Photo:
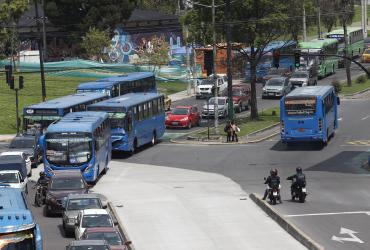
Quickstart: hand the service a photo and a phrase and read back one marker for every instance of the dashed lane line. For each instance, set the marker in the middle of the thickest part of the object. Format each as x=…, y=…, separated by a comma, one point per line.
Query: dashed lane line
x=320, y=214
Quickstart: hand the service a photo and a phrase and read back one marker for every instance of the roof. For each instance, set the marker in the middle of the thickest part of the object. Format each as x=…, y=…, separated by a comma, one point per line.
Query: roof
x=96, y=85
x=126, y=100
x=127, y=77
x=14, y=214
x=317, y=43
x=67, y=101
x=88, y=243
x=101, y=229
x=66, y=173
x=94, y=211
x=83, y=196
x=310, y=91
x=78, y=122
x=341, y=31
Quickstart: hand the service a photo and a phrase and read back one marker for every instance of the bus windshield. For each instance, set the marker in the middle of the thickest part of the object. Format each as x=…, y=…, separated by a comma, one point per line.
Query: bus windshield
x=68, y=148
x=23, y=240
x=117, y=119
x=306, y=106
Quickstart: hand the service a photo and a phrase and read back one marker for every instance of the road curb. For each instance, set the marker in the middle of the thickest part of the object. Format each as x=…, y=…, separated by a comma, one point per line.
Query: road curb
x=120, y=226
x=286, y=225
x=357, y=93
x=264, y=138
x=6, y=138
x=264, y=129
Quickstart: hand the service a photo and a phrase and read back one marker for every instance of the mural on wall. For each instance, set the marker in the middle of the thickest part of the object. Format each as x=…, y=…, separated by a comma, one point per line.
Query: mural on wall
x=128, y=48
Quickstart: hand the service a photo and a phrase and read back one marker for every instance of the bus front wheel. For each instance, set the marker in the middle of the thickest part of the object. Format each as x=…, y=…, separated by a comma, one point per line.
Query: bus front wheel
x=154, y=138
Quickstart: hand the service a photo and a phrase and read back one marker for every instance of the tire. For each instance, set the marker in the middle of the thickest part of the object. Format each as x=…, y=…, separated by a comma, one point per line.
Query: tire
x=302, y=198
x=197, y=97
x=273, y=201
x=154, y=139
x=26, y=191
x=135, y=146
x=189, y=125
x=38, y=201
x=106, y=166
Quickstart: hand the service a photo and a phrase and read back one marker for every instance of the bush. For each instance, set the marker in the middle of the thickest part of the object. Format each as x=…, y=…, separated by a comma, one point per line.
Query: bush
x=337, y=86
x=361, y=79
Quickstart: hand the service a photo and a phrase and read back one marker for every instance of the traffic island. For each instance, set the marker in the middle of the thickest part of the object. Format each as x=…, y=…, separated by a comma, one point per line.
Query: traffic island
x=286, y=225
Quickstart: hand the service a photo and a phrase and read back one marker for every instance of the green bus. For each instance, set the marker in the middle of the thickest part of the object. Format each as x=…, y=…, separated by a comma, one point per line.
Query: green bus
x=326, y=65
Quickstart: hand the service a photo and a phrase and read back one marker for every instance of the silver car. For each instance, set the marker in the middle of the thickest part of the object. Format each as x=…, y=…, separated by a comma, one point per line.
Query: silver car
x=276, y=87
x=209, y=109
x=75, y=203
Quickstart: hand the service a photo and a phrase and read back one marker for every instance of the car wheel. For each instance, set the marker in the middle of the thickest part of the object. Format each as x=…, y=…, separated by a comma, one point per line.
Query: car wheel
x=189, y=125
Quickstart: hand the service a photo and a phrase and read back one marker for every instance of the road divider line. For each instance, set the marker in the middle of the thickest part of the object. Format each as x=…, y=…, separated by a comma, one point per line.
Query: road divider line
x=364, y=118
x=294, y=231
x=320, y=214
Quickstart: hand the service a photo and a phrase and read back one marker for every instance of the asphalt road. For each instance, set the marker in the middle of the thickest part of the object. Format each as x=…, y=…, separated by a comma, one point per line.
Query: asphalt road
x=338, y=202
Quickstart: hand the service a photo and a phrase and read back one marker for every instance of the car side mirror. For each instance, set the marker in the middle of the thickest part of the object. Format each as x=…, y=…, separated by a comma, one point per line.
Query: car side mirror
x=338, y=100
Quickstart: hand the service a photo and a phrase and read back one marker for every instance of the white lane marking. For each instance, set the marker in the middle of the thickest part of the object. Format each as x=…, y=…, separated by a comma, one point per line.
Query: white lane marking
x=351, y=233
x=340, y=118
x=364, y=118
x=317, y=214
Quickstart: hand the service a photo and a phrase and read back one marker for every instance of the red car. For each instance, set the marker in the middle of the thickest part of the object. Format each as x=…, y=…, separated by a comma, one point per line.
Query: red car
x=110, y=234
x=183, y=117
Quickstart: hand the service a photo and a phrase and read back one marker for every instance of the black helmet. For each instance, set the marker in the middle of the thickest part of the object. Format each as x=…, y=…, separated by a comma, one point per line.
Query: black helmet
x=299, y=170
x=273, y=172
x=42, y=174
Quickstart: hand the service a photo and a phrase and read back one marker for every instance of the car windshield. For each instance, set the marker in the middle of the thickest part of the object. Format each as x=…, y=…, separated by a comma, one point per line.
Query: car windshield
x=299, y=75
x=112, y=238
x=22, y=143
x=67, y=183
x=237, y=93
x=180, y=111
x=68, y=149
x=89, y=247
x=9, y=178
x=208, y=82
x=86, y=203
x=219, y=101
x=96, y=220
x=274, y=82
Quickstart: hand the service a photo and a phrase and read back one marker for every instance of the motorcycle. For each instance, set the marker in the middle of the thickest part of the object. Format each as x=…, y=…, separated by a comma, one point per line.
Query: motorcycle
x=274, y=195
x=40, y=195
x=299, y=192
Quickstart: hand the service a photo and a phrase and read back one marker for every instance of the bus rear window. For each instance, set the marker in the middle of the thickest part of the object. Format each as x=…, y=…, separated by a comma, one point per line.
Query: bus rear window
x=305, y=106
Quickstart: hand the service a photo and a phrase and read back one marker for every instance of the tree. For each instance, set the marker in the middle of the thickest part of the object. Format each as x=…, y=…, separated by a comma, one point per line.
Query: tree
x=166, y=6
x=156, y=52
x=94, y=42
x=79, y=15
x=329, y=16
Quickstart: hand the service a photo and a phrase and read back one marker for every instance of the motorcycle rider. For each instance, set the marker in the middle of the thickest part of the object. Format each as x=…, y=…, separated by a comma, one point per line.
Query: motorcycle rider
x=272, y=181
x=299, y=179
x=41, y=186
x=43, y=180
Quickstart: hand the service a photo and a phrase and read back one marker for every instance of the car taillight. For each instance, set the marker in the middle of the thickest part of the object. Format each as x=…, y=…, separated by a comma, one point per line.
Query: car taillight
x=282, y=126
x=320, y=124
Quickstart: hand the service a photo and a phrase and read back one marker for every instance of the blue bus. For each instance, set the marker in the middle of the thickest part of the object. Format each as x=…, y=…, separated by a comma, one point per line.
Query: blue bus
x=309, y=114
x=120, y=85
x=136, y=119
x=80, y=140
x=18, y=229
x=265, y=63
x=43, y=114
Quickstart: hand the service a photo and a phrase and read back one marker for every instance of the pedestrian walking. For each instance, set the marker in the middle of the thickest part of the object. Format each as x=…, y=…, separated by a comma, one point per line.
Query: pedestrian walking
x=228, y=131
x=234, y=129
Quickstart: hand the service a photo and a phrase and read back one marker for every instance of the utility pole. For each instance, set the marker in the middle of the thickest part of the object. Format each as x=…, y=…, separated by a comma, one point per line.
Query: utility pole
x=39, y=44
x=215, y=65
x=304, y=23
x=229, y=73
x=318, y=19
x=43, y=30
x=347, y=62
x=187, y=60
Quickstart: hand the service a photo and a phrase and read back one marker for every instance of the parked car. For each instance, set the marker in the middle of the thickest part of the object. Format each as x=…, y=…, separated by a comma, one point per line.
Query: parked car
x=73, y=204
x=61, y=184
x=183, y=117
x=241, y=94
x=209, y=108
x=14, y=179
x=110, y=234
x=11, y=162
x=28, y=144
x=23, y=156
x=302, y=78
x=365, y=58
x=92, y=218
x=206, y=86
x=88, y=245
x=276, y=87
x=276, y=72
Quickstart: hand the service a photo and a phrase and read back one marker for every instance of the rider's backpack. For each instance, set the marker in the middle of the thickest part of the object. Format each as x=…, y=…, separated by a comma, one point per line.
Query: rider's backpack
x=301, y=180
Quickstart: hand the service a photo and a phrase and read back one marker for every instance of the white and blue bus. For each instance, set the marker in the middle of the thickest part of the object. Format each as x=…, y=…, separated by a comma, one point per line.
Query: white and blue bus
x=120, y=85
x=136, y=119
x=18, y=229
x=309, y=114
x=80, y=140
x=44, y=113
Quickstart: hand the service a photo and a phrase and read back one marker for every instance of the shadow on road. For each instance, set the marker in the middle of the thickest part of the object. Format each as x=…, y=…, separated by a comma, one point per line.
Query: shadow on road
x=305, y=146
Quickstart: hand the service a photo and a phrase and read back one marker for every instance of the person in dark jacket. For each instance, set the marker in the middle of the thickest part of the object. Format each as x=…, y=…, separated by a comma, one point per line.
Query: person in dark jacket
x=273, y=181
x=299, y=179
x=228, y=131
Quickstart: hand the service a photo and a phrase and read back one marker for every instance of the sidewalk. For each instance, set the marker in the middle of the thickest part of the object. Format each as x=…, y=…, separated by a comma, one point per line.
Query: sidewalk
x=6, y=137
x=181, y=95
x=176, y=209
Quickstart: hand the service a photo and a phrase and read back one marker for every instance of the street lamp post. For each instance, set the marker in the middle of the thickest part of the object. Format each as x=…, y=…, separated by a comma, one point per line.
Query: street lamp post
x=215, y=64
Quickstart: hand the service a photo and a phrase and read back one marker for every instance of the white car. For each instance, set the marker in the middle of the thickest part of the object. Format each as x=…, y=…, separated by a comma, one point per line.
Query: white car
x=206, y=87
x=92, y=218
x=24, y=156
x=14, y=179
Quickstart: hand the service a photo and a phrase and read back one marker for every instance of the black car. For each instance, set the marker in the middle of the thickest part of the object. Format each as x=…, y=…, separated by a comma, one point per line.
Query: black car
x=28, y=144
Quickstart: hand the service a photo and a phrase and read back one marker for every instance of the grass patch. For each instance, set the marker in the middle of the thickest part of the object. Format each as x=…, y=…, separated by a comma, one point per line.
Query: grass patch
x=356, y=87
x=171, y=87
x=247, y=126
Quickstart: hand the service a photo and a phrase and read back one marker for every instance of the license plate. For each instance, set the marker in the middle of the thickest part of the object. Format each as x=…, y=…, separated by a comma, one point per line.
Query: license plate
x=304, y=190
x=271, y=93
x=175, y=123
x=301, y=130
x=274, y=193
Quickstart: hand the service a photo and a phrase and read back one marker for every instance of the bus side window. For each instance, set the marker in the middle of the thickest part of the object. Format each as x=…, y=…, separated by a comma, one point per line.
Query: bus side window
x=129, y=121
